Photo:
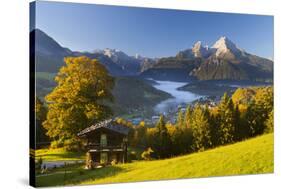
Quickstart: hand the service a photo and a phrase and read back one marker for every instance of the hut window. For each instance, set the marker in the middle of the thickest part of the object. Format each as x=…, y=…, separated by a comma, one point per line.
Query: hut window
x=103, y=140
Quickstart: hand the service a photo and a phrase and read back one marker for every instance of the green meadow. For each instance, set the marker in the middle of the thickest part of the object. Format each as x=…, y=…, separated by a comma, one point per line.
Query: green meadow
x=253, y=156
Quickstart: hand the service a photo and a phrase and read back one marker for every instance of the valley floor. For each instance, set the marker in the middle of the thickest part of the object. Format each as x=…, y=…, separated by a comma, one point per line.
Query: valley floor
x=253, y=156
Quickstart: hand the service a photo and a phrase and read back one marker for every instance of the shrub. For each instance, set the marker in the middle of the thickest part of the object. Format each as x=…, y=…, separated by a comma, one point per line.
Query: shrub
x=56, y=144
x=113, y=162
x=147, y=154
x=72, y=144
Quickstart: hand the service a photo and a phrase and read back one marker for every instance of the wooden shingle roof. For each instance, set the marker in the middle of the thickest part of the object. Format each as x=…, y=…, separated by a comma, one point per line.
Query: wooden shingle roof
x=107, y=124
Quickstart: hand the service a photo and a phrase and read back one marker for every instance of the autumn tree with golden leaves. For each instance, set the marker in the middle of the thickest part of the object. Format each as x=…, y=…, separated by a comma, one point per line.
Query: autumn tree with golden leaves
x=79, y=99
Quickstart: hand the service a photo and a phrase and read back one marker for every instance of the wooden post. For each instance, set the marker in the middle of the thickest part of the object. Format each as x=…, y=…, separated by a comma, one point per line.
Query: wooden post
x=89, y=161
x=125, y=150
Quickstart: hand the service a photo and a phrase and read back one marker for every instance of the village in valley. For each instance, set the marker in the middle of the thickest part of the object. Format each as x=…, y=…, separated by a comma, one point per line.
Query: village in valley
x=172, y=113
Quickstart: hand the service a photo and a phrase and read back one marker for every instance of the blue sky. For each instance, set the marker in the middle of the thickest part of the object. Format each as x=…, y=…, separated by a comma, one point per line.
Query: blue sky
x=150, y=32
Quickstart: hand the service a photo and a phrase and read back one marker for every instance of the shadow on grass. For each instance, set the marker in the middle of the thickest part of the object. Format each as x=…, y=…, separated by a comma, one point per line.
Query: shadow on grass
x=76, y=175
x=58, y=156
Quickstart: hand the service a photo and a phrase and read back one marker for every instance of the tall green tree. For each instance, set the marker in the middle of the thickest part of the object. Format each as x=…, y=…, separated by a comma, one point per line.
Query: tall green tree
x=161, y=124
x=187, y=116
x=200, y=128
x=251, y=121
x=83, y=85
x=214, y=127
x=264, y=100
x=259, y=110
x=269, y=123
x=227, y=121
x=139, y=136
x=238, y=130
x=180, y=119
x=181, y=139
x=163, y=145
x=264, y=106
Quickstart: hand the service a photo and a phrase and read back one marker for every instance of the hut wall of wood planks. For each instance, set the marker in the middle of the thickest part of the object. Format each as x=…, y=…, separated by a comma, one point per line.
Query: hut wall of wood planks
x=106, y=143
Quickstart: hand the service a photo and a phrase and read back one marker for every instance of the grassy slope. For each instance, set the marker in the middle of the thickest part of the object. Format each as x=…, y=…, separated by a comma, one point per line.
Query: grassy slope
x=249, y=157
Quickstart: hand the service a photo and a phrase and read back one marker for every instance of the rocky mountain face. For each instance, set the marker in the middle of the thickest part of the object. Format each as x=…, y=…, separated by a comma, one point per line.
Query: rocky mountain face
x=224, y=60
x=226, y=49
x=48, y=53
x=197, y=51
x=227, y=61
x=129, y=64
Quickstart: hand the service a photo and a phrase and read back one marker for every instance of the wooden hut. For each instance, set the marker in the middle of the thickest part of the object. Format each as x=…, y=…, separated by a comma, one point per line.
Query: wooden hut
x=106, y=143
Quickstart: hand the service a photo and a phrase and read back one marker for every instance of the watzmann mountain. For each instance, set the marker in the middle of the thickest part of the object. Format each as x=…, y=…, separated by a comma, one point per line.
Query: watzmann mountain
x=224, y=60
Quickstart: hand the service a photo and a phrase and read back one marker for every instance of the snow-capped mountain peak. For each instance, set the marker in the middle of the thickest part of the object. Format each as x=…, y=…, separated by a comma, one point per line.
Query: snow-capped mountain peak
x=224, y=45
x=198, y=50
x=197, y=45
x=113, y=54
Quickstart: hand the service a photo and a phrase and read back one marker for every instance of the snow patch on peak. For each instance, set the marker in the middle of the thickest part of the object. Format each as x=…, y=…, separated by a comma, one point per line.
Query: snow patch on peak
x=114, y=54
x=197, y=44
x=198, y=50
x=138, y=56
x=111, y=52
x=224, y=45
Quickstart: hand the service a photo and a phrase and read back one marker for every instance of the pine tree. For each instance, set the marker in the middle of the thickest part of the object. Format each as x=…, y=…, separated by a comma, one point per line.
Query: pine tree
x=200, y=129
x=187, y=116
x=263, y=106
x=163, y=145
x=251, y=122
x=259, y=110
x=214, y=127
x=160, y=125
x=180, y=119
x=238, y=130
x=269, y=123
x=226, y=118
x=139, y=137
